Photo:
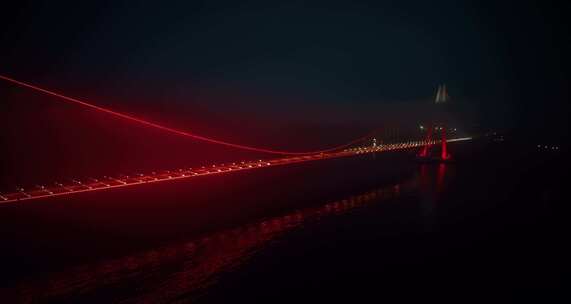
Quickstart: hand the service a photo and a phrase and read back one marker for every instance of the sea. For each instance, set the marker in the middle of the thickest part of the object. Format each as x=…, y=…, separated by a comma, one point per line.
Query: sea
x=488, y=226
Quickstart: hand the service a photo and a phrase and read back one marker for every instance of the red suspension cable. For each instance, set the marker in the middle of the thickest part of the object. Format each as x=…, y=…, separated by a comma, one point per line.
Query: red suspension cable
x=176, y=131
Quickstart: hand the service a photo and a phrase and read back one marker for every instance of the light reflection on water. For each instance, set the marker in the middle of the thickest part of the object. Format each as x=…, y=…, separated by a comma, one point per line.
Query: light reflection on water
x=432, y=181
x=185, y=270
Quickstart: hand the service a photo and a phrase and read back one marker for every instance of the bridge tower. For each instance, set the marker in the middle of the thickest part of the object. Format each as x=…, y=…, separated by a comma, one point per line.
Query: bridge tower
x=438, y=125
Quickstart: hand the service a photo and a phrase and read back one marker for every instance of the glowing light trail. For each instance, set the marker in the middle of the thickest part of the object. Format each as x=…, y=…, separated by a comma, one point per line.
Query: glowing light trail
x=176, y=131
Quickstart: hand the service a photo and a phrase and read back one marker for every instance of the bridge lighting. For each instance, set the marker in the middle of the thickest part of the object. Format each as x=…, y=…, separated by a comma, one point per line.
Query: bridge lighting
x=21, y=190
x=161, y=176
x=161, y=127
x=422, y=127
x=118, y=180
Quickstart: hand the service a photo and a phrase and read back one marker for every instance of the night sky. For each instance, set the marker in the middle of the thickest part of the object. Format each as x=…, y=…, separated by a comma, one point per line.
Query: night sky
x=332, y=62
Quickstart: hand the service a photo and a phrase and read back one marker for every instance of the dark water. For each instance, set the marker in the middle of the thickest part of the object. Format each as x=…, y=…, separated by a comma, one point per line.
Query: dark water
x=488, y=227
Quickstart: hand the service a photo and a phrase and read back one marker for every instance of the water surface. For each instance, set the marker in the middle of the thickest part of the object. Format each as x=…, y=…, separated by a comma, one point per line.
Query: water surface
x=377, y=226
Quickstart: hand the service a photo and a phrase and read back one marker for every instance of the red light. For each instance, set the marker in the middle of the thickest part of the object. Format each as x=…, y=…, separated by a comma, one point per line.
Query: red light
x=176, y=131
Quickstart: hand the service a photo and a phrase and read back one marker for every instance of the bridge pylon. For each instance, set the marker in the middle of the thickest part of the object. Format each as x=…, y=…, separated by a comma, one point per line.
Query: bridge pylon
x=425, y=151
x=424, y=154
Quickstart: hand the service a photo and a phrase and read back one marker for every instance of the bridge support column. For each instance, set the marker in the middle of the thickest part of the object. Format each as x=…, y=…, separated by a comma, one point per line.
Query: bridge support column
x=444, y=154
x=425, y=152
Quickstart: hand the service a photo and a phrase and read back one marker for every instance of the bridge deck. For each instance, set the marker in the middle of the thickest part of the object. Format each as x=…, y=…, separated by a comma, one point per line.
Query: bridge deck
x=106, y=182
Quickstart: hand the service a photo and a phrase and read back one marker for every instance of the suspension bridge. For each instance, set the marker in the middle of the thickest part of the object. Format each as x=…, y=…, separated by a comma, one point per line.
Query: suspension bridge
x=354, y=147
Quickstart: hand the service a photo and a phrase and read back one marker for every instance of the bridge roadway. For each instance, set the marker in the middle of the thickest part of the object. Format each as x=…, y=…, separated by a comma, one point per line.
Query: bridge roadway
x=107, y=182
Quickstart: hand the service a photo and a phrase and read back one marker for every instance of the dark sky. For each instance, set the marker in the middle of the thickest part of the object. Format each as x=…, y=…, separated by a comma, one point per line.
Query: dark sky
x=332, y=62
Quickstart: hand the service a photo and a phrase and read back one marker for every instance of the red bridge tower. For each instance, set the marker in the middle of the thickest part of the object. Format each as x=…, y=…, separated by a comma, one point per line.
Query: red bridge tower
x=424, y=154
